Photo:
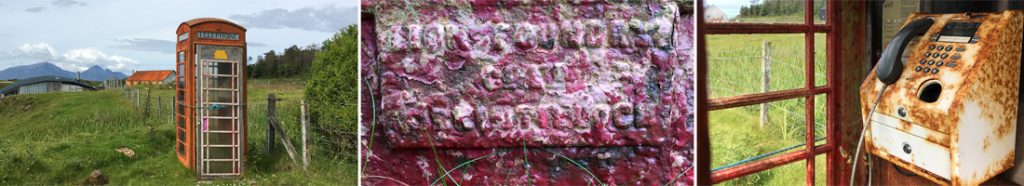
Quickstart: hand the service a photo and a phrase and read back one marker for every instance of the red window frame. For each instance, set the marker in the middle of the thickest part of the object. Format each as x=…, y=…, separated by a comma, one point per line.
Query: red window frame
x=705, y=105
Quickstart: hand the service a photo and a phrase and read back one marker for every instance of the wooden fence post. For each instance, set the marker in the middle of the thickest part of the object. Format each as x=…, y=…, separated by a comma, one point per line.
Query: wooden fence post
x=270, y=124
x=766, y=77
x=138, y=97
x=305, y=149
x=174, y=106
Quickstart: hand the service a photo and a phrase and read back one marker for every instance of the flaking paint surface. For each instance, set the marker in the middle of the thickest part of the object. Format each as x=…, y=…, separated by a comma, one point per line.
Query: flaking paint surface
x=520, y=84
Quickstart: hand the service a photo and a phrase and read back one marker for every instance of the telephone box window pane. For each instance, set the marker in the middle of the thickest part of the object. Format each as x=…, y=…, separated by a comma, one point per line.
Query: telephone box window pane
x=820, y=169
x=181, y=123
x=221, y=124
x=788, y=174
x=181, y=58
x=220, y=82
x=737, y=134
x=740, y=64
x=220, y=167
x=223, y=110
x=820, y=59
x=220, y=152
x=220, y=96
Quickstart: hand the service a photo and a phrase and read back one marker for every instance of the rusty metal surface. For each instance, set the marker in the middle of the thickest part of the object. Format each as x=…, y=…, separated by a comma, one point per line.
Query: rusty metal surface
x=527, y=92
x=975, y=114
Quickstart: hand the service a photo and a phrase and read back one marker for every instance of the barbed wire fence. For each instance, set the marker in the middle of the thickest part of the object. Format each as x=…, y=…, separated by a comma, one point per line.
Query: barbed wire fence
x=325, y=141
x=764, y=68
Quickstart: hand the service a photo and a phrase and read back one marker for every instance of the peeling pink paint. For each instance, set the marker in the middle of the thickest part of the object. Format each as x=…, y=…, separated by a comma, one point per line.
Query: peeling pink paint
x=523, y=83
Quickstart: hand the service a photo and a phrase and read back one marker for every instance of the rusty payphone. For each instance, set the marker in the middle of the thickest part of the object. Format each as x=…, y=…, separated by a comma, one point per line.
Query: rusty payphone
x=210, y=114
x=942, y=101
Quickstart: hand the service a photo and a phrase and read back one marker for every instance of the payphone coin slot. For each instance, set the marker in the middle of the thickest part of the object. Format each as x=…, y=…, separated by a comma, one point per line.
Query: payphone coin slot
x=931, y=90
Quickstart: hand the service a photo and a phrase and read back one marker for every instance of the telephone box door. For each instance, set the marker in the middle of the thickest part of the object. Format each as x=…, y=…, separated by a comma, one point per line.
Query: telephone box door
x=220, y=126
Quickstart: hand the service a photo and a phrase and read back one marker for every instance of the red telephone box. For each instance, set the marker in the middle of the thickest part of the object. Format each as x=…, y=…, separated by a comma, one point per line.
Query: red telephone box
x=210, y=97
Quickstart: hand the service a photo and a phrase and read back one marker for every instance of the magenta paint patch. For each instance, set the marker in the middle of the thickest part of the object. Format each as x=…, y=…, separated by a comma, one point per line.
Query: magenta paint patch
x=530, y=90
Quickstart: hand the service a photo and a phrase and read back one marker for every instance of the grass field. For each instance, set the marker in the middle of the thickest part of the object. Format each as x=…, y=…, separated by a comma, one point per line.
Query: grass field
x=734, y=65
x=59, y=138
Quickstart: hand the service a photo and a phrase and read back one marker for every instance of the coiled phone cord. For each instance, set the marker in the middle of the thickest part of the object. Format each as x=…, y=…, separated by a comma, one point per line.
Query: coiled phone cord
x=860, y=143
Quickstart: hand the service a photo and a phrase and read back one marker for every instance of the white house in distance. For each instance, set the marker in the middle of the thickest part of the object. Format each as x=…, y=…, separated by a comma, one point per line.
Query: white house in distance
x=713, y=14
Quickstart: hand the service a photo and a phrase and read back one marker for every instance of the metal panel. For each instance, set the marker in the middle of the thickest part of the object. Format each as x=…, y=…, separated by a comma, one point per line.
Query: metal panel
x=597, y=81
x=888, y=141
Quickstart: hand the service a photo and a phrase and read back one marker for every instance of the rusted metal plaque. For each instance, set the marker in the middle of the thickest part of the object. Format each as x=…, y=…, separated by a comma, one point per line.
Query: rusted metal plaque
x=493, y=92
x=473, y=74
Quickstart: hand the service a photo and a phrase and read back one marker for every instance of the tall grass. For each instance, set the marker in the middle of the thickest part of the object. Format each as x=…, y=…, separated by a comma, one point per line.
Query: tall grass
x=59, y=138
x=735, y=68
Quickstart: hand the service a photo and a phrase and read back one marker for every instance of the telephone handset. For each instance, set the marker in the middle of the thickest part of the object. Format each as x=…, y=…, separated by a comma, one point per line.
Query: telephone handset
x=890, y=65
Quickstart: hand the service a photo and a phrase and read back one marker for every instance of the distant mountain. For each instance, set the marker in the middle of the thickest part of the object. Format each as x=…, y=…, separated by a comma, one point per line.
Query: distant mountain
x=34, y=70
x=94, y=73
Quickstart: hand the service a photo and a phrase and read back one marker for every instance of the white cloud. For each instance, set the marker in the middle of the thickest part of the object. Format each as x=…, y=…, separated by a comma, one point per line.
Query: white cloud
x=73, y=60
x=68, y=3
x=35, y=9
x=39, y=50
x=323, y=18
x=82, y=59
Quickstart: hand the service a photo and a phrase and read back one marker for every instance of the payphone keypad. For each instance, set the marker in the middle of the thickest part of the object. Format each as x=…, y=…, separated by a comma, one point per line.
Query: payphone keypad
x=939, y=55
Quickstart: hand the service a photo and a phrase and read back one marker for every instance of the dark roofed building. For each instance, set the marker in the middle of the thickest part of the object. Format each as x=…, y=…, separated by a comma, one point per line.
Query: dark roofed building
x=44, y=84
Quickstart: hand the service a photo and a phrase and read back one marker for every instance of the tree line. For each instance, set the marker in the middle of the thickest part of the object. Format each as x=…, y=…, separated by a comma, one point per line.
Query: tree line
x=295, y=61
x=758, y=8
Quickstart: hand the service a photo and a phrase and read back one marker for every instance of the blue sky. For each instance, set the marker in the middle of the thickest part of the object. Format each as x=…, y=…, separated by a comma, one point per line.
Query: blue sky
x=127, y=35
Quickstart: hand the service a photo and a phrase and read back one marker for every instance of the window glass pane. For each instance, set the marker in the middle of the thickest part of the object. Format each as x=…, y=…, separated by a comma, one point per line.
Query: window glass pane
x=220, y=68
x=181, y=58
x=820, y=167
x=820, y=59
x=220, y=167
x=790, y=174
x=820, y=118
x=738, y=135
x=222, y=110
x=181, y=123
x=220, y=82
x=221, y=96
x=820, y=12
x=181, y=148
x=736, y=63
x=754, y=11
